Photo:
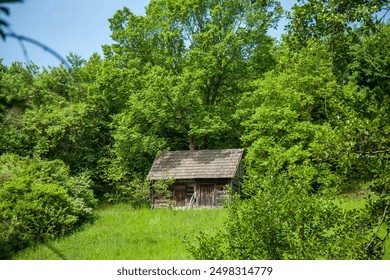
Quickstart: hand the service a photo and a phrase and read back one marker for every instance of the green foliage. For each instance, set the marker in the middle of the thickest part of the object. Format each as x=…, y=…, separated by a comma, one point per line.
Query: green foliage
x=15, y=85
x=138, y=192
x=307, y=135
x=191, y=61
x=67, y=132
x=300, y=116
x=291, y=123
x=371, y=63
x=333, y=18
x=336, y=24
x=39, y=200
x=284, y=221
x=311, y=112
x=53, y=115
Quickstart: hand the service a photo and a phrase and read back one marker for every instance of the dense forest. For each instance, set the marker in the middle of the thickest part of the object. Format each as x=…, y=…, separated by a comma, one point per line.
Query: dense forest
x=311, y=110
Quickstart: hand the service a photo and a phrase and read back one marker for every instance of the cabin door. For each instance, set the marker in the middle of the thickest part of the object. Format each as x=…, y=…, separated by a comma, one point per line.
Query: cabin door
x=180, y=196
x=206, y=196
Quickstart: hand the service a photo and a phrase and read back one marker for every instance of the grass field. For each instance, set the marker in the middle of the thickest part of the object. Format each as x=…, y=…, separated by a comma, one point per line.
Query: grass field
x=121, y=233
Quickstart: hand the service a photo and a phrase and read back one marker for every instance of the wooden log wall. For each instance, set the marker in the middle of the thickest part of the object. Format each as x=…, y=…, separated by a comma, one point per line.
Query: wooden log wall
x=201, y=193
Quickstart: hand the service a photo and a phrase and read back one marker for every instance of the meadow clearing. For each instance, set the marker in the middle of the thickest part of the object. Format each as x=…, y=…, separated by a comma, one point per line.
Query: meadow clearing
x=121, y=233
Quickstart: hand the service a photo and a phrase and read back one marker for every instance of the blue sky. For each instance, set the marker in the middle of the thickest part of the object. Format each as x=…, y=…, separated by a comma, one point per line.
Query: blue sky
x=79, y=26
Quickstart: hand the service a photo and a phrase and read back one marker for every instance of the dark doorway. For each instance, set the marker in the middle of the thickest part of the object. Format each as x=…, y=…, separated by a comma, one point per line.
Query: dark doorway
x=180, y=196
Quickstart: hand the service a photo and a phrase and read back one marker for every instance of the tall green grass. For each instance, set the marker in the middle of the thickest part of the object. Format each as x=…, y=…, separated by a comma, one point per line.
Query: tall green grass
x=122, y=233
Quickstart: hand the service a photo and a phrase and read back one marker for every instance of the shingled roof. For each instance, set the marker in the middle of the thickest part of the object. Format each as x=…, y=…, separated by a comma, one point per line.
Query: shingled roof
x=198, y=164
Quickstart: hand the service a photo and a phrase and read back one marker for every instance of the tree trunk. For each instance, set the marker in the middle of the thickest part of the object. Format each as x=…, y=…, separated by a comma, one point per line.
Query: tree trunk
x=191, y=144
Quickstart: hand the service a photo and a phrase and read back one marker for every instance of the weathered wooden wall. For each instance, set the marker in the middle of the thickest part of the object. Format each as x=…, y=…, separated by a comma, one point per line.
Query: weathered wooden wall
x=204, y=193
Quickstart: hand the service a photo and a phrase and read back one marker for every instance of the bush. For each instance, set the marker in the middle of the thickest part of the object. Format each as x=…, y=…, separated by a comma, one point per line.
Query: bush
x=38, y=201
x=138, y=192
x=285, y=221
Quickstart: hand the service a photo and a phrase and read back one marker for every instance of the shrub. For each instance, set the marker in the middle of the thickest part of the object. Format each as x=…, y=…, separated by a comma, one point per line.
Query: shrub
x=138, y=192
x=38, y=201
x=285, y=221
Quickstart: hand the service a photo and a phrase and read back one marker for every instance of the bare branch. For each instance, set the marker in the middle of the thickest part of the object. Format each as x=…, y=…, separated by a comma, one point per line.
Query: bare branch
x=41, y=45
x=379, y=227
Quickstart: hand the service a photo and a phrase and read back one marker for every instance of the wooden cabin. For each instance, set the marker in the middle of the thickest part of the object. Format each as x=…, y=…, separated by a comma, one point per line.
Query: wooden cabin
x=201, y=176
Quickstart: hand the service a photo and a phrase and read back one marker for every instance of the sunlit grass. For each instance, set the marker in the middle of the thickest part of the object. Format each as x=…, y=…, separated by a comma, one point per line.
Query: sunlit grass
x=122, y=233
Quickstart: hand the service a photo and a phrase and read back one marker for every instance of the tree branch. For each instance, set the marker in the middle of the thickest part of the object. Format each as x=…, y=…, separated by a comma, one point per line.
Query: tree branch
x=379, y=227
x=41, y=45
x=372, y=153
